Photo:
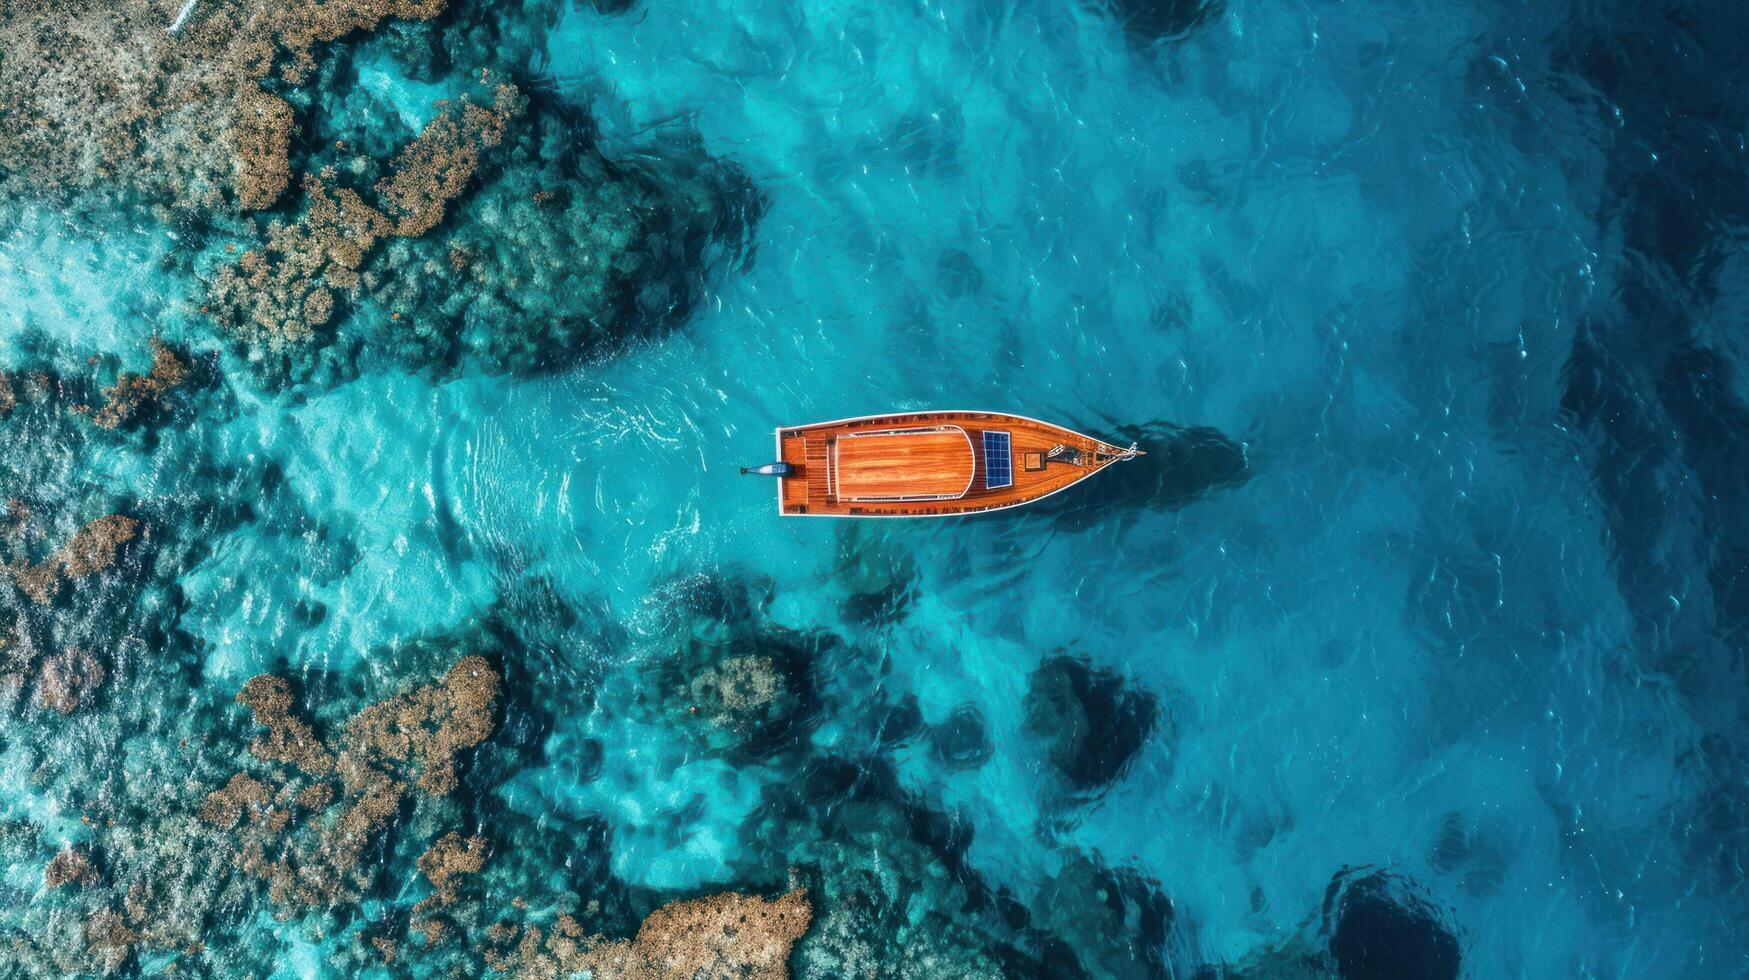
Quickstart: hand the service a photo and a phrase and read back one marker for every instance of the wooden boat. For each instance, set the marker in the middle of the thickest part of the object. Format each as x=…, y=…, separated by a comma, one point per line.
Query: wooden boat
x=929, y=464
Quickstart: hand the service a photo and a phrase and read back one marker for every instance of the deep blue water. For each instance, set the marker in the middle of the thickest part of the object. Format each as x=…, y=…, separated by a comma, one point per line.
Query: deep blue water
x=1417, y=639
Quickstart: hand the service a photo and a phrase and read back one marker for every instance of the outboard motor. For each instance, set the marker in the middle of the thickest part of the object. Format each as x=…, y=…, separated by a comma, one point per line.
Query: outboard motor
x=769, y=469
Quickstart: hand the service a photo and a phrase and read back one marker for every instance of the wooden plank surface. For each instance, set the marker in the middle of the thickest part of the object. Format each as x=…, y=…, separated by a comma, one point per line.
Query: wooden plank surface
x=904, y=464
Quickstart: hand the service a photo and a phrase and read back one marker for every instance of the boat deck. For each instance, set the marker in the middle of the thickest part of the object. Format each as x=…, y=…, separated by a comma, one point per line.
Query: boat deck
x=915, y=464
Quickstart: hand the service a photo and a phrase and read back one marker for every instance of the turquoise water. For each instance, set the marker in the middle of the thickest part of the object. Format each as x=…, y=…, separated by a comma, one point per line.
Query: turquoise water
x=1417, y=638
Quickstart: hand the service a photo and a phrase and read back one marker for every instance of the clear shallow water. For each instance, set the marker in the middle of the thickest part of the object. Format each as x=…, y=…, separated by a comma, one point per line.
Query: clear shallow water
x=1468, y=607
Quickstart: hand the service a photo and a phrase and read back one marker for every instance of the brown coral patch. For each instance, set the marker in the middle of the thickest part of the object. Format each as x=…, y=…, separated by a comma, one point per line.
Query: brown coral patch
x=71, y=866
x=69, y=680
x=385, y=948
x=417, y=735
x=225, y=806
x=261, y=140
x=278, y=295
x=110, y=939
x=288, y=738
x=728, y=936
x=316, y=796
x=92, y=549
x=447, y=859
x=99, y=93
x=299, y=26
x=385, y=751
x=132, y=392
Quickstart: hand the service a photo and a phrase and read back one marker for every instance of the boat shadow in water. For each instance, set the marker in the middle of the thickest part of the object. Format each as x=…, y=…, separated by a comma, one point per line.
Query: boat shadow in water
x=1180, y=466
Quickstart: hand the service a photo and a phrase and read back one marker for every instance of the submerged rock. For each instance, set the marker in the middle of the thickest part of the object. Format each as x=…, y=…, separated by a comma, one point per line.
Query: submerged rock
x=1091, y=723
x=733, y=681
x=959, y=739
x=749, y=695
x=1384, y=928
x=893, y=895
x=1114, y=921
x=889, y=724
x=1294, y=960
x=888, y=906
x=1151, y=21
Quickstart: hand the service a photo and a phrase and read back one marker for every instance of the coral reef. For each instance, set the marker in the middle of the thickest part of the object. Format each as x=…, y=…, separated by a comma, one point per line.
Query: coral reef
x=743, y=693
x=300, y=25
x=261, y=140
x=733, y=681
x=890, y=906
x=225, y=806
x=276, y=296
x=1091, y=723
x=101, y=93
x=184, y=860
x=416, y=736
x=115, y=736
x=405, y=742
x=289, y=739
x=69, y=680
x=886, y=878
x=71, y=866
x=559, y=256
x=723, y=937
x=92, y=549
x=132, y=393
x=447, y=859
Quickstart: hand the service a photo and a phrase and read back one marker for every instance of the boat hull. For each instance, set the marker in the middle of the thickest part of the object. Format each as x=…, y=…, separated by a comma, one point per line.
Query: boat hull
x=931, y=464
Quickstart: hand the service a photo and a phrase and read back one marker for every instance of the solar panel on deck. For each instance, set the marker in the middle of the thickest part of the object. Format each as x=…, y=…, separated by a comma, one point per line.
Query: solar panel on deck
x=998, y=466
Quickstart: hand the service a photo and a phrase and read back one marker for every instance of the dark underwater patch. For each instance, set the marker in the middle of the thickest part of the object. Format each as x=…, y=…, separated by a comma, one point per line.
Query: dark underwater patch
x=877, y=575
x=891, y=724
x=1153, y=21
x=731, y=680
x=959, y=739
x=1653, y=388
x=894, y=895
x=560, y=255
x=1090, y=721
x=1382, y=928
x=1115, y=921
